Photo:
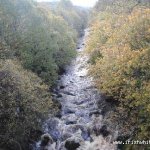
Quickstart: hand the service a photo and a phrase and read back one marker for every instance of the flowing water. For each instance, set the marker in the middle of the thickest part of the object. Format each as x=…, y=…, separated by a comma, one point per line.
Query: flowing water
x=81, y=119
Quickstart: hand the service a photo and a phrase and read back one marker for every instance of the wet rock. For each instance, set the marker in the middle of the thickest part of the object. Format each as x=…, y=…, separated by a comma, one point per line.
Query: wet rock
x=68, y=93
x=110, y=99
x=58, y=115
x=74, y=128
x=68, y=111
x=106, y=109
x=86, y=134
x=66, y=136
x=80, y=102
x=35, y=135
x=62, y=87
x=47, y=143
x=54, y=95
x=104, y=131
x=90, y=87
x=55, y=91
x=70, y=122
x=57, y=103
x=59, y=95
x=70, y=119
x=96, y=112
x=71, y=145
x=45, y=139
x=81, y=76
x=61, y=71
x=59, y=106
x=91, y=103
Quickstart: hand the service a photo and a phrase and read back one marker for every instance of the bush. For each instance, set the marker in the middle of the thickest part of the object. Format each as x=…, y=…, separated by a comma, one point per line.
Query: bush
x=121, y=68
x=42, y=41
x=25, y=102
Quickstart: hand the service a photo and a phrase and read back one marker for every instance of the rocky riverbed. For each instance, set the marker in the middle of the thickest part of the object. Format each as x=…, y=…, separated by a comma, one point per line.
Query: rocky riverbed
x=80, y=124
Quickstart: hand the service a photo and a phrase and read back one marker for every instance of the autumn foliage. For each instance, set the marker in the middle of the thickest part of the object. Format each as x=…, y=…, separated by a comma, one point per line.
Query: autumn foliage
x=119, y=50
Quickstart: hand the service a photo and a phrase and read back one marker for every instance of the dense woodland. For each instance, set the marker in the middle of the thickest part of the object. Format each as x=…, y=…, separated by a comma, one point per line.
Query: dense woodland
x=35, y=46
x=37, y=42
x=119, y=47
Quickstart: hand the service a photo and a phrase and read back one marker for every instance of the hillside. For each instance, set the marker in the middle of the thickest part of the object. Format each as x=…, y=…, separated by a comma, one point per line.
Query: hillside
x=119, y=47
x=35, y=47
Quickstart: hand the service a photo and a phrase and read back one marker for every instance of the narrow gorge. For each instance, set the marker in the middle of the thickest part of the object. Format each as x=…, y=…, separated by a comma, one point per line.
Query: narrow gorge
x=79, y=124
x=74, y=75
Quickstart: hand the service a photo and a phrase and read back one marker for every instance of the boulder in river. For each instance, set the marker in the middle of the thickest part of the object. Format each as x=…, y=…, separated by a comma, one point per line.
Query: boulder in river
x=104, y=131
x=45, y=139
x=47, y=142
x=71, y=145
x=95, y=112
x=69, y=111
x=62, y=87
x=68, y=93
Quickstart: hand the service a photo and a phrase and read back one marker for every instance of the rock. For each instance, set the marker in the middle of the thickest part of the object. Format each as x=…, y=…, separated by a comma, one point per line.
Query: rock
x=90, y=87
x=59, y=106
x=70, y=122
x=55, y=91
x=59, y=95
x=57, y=103
x=62, y=87
x=54, y=95
x=71, y=145
x=85, y=134
x=96, y=112
x=68, y=111
x=70, y=119
x=79, y=103
x=68, y=93
x=45, y=139
x=75, y=128
x=35, y=135
x=58, y=115
x=110, y=99
x=81, y=76
x=91, y=103
x=65, y=136
x=104, y=131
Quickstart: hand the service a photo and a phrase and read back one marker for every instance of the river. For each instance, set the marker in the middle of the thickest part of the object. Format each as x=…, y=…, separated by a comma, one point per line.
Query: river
x=80, y=124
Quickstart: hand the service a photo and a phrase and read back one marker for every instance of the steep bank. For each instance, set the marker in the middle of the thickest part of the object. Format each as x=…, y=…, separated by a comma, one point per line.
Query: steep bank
x=35, y=47
x=119, y=50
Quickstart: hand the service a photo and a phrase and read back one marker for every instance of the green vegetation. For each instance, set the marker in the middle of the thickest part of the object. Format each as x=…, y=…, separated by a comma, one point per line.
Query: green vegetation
x=25, y=102
x=119, y=54
x=43, y=42
x=35, y=46
x=76, y=17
